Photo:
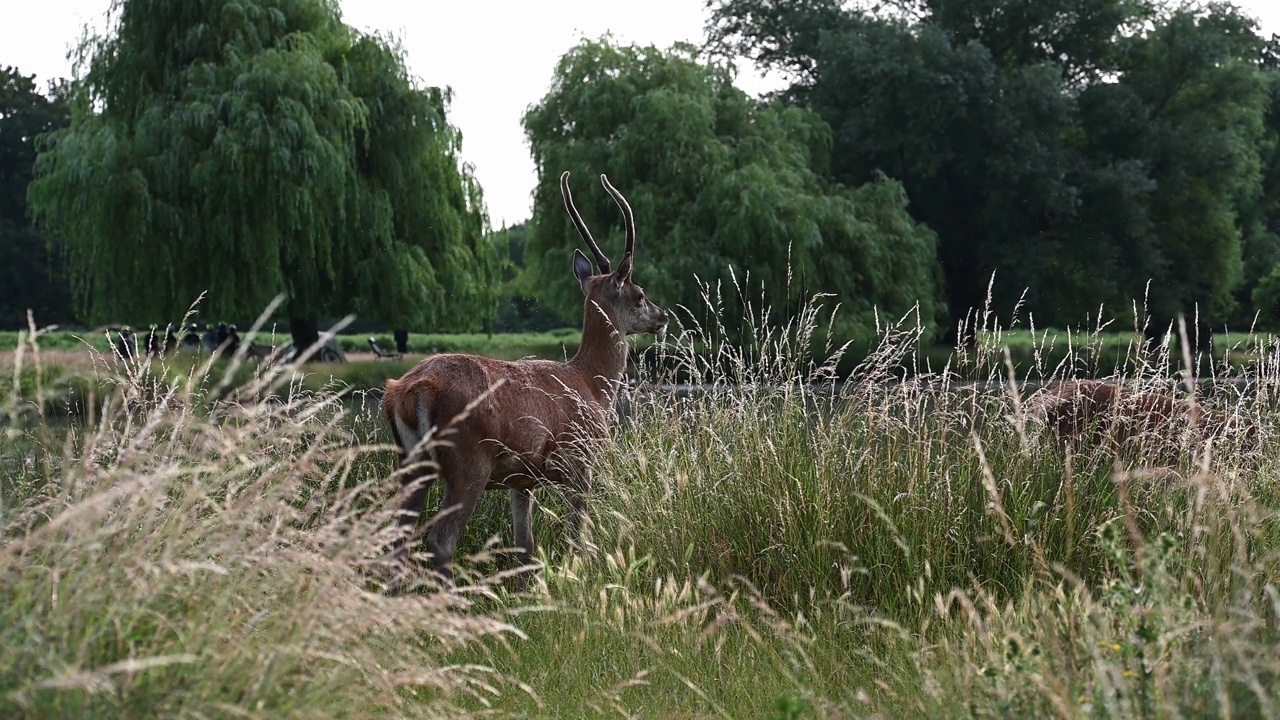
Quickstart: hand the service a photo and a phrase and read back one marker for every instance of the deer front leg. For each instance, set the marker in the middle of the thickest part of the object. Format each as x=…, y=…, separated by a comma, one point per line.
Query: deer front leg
x=522, y=523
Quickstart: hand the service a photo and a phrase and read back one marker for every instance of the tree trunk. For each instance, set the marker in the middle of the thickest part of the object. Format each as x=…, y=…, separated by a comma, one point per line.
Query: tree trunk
x=305, y=333
x=402, y=341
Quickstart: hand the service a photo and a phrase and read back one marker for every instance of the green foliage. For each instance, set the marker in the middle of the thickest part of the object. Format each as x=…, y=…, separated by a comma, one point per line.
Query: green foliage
x=1189, y=111
x=1266, y=297
x=519, y=307
x=727, y=192
x=249, y=147
x=30, y=277
x=1088, y=152
x=1260, y=215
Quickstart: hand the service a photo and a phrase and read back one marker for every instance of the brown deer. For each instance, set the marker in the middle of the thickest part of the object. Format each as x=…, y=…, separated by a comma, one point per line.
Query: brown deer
x=1083, y=412
x=493, y=424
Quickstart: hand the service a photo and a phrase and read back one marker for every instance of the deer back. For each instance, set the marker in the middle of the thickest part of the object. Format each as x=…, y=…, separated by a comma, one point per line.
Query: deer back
x=1091, y=410
x=529, y=407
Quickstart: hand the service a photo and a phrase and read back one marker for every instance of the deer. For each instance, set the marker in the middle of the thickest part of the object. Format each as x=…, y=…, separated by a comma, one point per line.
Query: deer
x=1083, y=412
x=486, y=424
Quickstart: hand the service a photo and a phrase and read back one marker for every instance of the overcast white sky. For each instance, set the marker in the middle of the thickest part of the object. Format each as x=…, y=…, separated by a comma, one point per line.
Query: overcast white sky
x=497, y=55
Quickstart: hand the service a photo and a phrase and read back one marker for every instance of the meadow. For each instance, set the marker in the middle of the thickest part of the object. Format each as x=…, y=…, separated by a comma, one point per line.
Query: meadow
x=504, y=345
x=208, y=540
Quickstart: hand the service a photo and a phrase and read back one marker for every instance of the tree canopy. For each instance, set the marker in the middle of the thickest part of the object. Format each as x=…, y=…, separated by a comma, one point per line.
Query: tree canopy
x=30, y=278
x=249, y=147
x=1091, y=152
x=723, y=187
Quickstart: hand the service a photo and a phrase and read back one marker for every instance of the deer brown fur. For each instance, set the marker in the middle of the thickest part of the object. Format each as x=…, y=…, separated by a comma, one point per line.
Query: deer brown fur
x=1089, y=412
x=494, y=424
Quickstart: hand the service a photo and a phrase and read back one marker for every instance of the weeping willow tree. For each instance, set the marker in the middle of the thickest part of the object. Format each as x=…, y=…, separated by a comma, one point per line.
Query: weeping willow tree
x=248, y=147
x=724, y=187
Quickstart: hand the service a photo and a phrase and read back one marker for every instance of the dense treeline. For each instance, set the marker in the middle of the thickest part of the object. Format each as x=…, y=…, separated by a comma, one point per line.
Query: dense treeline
x=1093, y=155
x=1080, y=149
x=246, y=148
x=31, y=278
x=724, y=187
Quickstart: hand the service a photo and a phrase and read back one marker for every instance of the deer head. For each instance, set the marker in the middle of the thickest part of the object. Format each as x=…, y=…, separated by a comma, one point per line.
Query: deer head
x=613, y=292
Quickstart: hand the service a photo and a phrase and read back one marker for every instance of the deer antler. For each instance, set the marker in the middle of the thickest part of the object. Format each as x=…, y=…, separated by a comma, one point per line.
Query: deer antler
x=626, y=215
x=601, y=259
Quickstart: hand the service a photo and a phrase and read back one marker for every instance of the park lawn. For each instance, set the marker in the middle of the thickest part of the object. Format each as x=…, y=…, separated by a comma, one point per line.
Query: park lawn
x=1035, y=356
x=511, y=345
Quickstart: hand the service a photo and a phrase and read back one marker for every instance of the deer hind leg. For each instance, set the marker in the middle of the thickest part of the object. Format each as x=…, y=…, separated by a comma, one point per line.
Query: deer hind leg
x=417, y=470
x=416, y=482
x=578, y=487
x=465, y=480
x=522, y=523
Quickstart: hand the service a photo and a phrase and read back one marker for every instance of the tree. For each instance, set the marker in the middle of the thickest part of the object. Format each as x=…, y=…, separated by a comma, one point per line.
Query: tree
x=1081, y=148
x=976, y=146
x=1260, y=292
x=723, y=187
x=245, y=147
x=519, y=309
x=1188, y=110
x=30, y=278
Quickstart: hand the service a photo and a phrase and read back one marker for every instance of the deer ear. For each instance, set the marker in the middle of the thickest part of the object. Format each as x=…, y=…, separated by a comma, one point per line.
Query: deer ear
x=623, y=272
x=581, y=268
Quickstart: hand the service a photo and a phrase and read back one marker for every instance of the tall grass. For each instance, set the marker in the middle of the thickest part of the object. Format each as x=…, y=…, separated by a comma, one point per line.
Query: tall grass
x=788, y=541
x=905, y=548
x=189, y=558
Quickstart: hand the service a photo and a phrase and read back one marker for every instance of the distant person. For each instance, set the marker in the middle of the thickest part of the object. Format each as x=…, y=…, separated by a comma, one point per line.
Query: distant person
x=170, y=339
x=126, y=343
x=153, y=342
x=232, y=341
x=209, y=340
x=160, y=345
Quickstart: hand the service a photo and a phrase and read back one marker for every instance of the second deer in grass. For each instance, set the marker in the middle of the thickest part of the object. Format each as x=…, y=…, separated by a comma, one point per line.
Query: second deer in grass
x=515, y=425
x=1088, y=412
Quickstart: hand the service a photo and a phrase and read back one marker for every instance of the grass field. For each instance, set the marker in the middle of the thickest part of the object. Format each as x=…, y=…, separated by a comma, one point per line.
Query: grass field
x=907, y=550
x=550, y=344
x=1034, y=354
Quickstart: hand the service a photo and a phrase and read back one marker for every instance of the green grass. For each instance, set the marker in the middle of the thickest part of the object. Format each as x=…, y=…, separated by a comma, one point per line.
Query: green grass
x=846, y=535
x=550, y=344
x=553, y=345
x=1034, y=355
x=911, y=549
x=76, y=366
x=57, y=340
x=78, y=361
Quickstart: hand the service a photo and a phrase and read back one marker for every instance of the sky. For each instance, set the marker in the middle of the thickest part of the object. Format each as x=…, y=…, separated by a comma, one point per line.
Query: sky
x=496, y=55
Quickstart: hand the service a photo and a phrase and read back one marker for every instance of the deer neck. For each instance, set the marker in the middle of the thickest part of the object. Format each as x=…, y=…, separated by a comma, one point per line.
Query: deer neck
x=602, y=356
